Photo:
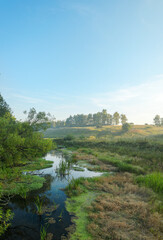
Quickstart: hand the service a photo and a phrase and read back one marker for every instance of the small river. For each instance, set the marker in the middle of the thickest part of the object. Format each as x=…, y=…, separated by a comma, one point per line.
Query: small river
x=26, y=223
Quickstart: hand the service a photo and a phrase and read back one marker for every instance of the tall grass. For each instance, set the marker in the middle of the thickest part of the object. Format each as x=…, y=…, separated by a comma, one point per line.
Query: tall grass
x=153, y=180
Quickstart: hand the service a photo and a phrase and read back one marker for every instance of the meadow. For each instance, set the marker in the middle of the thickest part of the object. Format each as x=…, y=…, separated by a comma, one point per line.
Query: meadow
x=107, y=132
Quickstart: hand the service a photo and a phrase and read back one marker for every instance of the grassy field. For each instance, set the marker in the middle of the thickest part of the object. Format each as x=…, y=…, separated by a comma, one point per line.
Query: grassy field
x=127, y=202
x=107, y=132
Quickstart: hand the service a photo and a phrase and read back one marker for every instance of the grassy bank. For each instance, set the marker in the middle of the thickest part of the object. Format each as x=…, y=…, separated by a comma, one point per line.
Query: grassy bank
x=113, y=207
x=128, y=204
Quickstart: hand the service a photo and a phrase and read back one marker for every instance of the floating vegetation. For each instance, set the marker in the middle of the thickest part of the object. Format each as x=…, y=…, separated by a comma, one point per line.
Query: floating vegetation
x=41, y=209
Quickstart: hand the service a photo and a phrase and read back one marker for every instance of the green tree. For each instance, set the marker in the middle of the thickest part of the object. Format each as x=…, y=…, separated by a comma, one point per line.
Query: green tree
x=21, y=140
x=97, y=119
x=90, y=119
x=4, y=107
x=123, y=118
x=109, y=119
x=104, y=117
x=161, y=121
x=116, y=118
x=157, y=120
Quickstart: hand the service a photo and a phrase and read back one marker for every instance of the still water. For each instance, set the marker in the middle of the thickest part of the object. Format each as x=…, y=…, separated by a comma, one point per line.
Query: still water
x=26, y=223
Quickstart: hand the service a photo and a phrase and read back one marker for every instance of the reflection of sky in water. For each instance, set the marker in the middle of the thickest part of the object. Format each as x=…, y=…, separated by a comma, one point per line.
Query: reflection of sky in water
x=26, y=222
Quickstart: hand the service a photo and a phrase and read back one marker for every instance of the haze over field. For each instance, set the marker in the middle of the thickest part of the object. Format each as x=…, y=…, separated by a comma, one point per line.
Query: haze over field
x=79, y=56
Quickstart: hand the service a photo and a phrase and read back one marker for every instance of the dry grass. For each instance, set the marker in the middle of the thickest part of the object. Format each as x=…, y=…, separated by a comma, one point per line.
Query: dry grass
x=122, y=211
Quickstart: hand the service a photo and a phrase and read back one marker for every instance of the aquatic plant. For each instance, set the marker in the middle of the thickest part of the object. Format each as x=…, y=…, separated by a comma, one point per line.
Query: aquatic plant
x=39, y=205
x=60, y=215
x=5, y=218
x=43, y=233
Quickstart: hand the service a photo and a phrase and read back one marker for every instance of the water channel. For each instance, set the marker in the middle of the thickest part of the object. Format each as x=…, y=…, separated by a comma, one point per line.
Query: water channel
x=27, y=223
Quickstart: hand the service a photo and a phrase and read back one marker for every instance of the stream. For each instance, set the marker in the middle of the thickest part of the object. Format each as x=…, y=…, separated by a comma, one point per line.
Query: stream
x=26, y=223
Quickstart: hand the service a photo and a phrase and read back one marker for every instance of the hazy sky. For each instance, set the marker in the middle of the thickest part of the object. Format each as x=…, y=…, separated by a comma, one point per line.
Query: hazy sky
x=79, y=56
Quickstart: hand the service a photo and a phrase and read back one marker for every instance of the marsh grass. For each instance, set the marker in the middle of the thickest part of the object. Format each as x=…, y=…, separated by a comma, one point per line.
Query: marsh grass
x=122, y=165
x=74, y=186
x=140, y=149
x=153, y=180
x=120, y=210
x=39, y=205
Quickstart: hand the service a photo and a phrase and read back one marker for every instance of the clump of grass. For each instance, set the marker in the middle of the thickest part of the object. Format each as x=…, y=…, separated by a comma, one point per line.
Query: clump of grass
x=73, y=187
x=39, y=205
x=153, y=180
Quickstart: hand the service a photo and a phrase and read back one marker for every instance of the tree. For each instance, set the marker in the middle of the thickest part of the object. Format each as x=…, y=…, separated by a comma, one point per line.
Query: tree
x=97, y=119
x=90, y=119
x=104, y=117
x=116, y=118
x=161, y=121
x=109, y=119
x=21, y=140
x=157, y=120
x=39, y=120
x=4, y=107
x=123, y=118
x=70, y=121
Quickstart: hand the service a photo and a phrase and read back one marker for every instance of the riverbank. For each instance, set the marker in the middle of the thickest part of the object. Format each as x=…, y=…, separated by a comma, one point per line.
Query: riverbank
x=126, y=204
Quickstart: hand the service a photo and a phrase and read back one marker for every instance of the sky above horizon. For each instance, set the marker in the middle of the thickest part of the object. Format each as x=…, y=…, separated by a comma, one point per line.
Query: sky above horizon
x=82, y=56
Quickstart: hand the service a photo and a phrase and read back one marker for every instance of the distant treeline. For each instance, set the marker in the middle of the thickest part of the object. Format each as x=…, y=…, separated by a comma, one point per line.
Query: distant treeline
x=97, y=119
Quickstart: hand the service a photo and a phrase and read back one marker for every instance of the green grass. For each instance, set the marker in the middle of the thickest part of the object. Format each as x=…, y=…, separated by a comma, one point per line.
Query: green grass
x=153, y=180
x=107, y=132
x=78, y=206
x=121, y=165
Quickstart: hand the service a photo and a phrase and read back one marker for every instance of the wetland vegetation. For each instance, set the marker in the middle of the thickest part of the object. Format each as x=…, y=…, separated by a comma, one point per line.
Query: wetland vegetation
x=100, y=183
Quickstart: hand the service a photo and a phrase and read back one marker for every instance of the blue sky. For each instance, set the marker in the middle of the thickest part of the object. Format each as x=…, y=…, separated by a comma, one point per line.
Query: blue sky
x=79, y=56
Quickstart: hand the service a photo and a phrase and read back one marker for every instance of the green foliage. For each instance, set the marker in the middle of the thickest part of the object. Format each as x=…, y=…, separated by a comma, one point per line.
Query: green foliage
x=97, y=119
x=153, y=180
x=18, y=141
x=5, y=218
x=4, y=107
x=73, y=187
x=38, y=121
x=126, y=127
x=157, y=120
x=69, y=137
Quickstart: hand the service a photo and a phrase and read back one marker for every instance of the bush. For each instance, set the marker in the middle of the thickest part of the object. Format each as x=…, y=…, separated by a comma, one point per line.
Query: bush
x=126, y=127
